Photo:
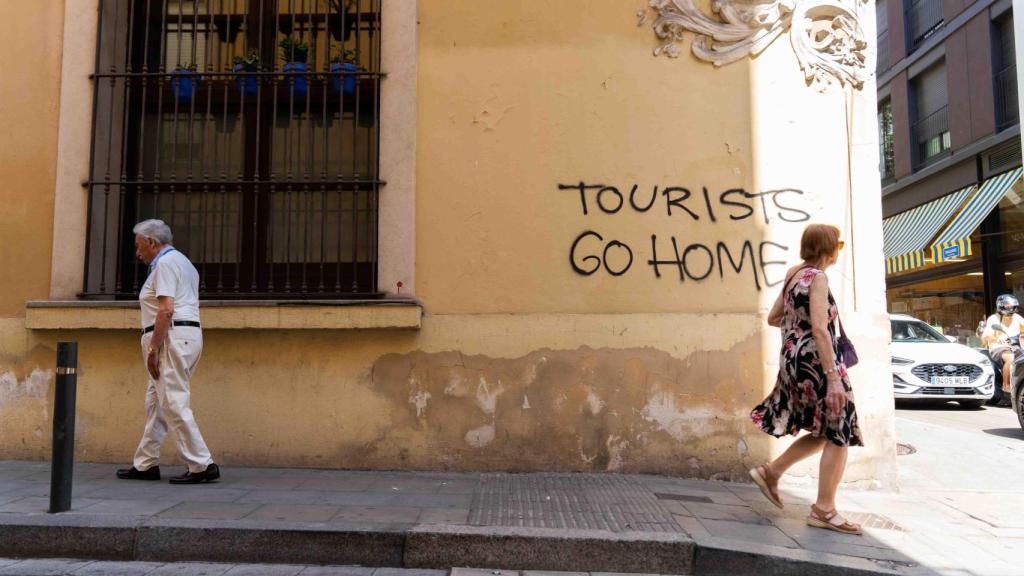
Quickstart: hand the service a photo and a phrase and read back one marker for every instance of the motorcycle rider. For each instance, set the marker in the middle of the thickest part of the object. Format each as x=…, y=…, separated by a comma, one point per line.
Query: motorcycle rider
x=998, y=341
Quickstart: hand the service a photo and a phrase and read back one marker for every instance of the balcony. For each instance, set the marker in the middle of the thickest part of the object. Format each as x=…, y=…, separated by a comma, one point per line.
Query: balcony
x=1007, y=105
x=923, y=18
x=930, y=136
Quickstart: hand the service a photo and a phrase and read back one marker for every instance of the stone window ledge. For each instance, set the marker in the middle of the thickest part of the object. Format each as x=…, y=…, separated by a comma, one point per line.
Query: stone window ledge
x=394, y=313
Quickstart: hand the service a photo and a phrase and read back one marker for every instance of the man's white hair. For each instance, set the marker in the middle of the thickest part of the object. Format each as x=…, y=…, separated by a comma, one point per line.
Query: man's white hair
x=156, y=229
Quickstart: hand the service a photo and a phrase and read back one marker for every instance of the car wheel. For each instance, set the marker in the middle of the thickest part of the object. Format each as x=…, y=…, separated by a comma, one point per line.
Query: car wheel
x=970, y=404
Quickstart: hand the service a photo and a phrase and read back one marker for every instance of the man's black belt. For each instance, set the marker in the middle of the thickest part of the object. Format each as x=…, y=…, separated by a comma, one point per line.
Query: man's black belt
x=192, y=323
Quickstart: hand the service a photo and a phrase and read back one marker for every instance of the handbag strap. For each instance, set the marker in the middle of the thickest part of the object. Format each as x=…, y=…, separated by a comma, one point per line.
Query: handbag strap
x=839, y=320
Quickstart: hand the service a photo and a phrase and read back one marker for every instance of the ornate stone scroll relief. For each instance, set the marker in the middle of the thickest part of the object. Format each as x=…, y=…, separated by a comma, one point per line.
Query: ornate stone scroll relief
x=825, y=34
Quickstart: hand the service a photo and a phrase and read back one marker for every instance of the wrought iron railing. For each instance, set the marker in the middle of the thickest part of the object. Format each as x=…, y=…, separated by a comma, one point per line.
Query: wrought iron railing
x=251, y=128
x=931, y=136
x=923, y=18
x=1007, y=105
x=882, y=63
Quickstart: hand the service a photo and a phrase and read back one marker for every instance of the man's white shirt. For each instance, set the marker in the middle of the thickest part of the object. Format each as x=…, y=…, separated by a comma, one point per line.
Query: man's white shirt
x=174, y=276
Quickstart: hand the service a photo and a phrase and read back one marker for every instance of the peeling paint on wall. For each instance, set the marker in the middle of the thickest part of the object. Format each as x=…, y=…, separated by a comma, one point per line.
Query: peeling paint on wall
x=34, y=385
x=552, y=408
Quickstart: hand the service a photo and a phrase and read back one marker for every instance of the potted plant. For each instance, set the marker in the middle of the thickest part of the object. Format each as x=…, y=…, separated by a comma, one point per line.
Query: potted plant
x=249, y=63
x=185, y=82
x=295, y=53
x=345, y=62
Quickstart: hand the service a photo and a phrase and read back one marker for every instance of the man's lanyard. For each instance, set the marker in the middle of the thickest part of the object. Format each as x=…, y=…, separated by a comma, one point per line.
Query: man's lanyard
x=152, y=265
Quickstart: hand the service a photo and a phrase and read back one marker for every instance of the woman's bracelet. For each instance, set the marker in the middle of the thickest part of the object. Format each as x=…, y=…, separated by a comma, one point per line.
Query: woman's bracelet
x=831, y=370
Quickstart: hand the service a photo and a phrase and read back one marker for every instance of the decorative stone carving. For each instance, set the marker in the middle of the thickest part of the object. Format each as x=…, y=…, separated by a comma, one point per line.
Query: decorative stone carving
x=825, y=34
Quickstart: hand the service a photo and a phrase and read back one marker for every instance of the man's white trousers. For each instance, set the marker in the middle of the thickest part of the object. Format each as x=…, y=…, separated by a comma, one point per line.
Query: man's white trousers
x=167, y=401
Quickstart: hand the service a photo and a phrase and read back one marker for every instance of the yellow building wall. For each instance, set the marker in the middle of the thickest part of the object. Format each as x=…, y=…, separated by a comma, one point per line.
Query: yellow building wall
x=560, y=169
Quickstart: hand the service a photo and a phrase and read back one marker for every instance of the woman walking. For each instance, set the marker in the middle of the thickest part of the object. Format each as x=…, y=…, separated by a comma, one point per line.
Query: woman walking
x=813, y=391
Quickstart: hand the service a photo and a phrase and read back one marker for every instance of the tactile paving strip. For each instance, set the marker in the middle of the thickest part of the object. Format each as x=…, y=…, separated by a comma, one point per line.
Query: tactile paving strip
x=576, y=501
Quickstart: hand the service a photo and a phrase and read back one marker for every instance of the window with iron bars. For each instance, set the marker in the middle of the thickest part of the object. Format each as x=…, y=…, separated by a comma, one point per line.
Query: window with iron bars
x=886, y=143
x=1005, y=78
x=252, y=128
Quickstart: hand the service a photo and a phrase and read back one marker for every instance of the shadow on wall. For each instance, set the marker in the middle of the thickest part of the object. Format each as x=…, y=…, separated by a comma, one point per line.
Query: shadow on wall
x=630, y=410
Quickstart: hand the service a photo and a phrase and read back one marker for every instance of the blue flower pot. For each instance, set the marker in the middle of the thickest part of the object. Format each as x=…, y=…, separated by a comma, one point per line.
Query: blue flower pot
x=249, y=85
x=346, y=84
x=185, y=84
x=298, y=84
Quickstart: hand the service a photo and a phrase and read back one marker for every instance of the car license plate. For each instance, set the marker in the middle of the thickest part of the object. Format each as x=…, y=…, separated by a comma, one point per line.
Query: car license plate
x=950, y=381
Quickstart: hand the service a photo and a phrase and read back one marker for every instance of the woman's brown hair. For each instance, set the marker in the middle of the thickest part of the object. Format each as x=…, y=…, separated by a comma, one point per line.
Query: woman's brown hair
x=819, y=241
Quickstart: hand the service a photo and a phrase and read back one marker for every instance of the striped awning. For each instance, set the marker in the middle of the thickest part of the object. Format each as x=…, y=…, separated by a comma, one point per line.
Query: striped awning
x=955, y=240
x=906, y=235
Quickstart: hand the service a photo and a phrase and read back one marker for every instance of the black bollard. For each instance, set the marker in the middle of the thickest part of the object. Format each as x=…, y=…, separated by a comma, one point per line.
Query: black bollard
x=63, y=460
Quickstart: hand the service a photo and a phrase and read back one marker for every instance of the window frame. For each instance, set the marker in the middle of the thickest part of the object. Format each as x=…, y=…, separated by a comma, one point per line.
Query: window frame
x=395, y=250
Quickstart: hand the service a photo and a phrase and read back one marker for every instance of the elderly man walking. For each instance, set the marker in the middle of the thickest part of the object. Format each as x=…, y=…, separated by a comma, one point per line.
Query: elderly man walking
x=172, y=342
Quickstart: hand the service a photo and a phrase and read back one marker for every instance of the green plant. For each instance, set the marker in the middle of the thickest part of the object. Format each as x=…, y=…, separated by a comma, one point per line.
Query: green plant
x=251, y=58
x=191, y=67
x=345, y=56
x=293, y=50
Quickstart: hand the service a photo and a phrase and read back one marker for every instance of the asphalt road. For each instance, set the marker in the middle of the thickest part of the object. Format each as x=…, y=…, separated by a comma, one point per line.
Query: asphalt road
x=960, y=450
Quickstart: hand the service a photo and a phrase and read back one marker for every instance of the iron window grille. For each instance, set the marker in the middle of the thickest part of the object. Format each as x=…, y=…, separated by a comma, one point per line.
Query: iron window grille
x=882, y=62
x=931, y=136
x=1005, y=78
x=923, y=19
x=882, y=22
x=886, y=142
x=262, y=156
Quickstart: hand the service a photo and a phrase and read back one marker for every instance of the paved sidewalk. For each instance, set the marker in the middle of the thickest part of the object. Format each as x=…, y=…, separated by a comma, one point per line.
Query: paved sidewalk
x=587, y=522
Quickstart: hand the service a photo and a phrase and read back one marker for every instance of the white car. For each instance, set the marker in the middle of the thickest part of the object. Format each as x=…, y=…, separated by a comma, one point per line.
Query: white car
x=929, y=366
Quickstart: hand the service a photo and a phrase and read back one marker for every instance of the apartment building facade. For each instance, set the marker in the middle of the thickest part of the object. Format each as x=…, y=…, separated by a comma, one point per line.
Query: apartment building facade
x=950, y=159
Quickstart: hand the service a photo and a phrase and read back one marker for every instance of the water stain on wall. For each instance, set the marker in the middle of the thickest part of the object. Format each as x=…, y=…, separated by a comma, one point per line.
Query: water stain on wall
x=582, y=409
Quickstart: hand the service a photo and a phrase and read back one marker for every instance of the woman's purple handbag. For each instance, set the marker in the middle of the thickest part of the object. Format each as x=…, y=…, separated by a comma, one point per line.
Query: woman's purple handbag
x=846, y=349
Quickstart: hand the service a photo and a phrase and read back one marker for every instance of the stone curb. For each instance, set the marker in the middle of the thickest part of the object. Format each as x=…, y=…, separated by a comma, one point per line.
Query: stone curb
x=424, y=546
x=725, y=557
x=548, y=549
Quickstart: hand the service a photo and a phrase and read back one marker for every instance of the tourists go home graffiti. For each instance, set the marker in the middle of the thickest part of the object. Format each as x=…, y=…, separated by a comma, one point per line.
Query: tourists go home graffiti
x=592, y=252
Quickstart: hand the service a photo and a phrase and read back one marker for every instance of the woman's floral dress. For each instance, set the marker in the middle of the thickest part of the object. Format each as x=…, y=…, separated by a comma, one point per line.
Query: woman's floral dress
x=798, y=400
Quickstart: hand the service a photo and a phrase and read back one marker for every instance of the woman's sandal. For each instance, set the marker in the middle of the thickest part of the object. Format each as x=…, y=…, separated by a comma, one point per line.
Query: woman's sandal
x=760, y=477
x=832, y=521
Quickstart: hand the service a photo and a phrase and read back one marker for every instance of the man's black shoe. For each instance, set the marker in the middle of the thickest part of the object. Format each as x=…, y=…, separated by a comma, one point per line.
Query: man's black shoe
x=135, y=474
x=211, y=474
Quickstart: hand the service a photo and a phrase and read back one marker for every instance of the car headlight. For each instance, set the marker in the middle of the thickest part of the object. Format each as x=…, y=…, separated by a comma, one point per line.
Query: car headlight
x=984, y=362
x=901, y=361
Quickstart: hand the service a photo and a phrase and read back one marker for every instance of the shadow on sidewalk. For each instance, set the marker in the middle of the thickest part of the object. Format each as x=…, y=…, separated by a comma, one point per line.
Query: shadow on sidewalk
x=1017, y=433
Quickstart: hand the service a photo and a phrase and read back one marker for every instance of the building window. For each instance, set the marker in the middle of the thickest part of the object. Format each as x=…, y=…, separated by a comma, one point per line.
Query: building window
x=1005, y=81
x=251, y=127
x=886, y=151
x=930, y=131
x=950, y=297
x=923, y=18
x=882, y=22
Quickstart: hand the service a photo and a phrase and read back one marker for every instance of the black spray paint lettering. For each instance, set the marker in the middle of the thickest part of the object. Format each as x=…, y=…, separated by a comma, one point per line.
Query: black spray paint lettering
x=698, y=261
x=764, y=263
x=679, y=201
x=597, y=261
x=695, y=261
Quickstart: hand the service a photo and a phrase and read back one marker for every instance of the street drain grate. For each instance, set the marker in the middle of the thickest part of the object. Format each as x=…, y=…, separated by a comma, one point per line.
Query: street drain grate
x=577, y=501
x=872, y=520
x=684, y=498
x=903, y=449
